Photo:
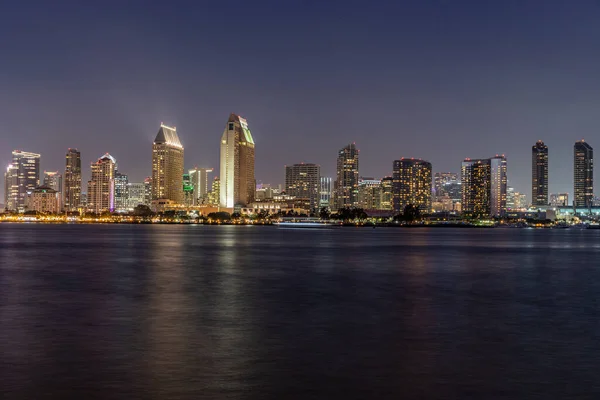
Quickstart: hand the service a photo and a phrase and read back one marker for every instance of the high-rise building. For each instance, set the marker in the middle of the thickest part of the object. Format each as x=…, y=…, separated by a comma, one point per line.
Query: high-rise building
x=510, y=198
x=167, y=166
x=346, y=184
x=136, y=195
x=22, y=177
x=53, y=180
x=325, y=192
x=148, y=191
x=237, y=183
x=412, y=184
x=72, y=192
x=121, y=181
x=583, y=174
x=188, y=191
x=369, y=193
x=559, y=199
x=201, y=183
x=387, y=193
x=498, y=184
x=539, y=174
x=214, y=196
x=520, y=201
x=441, y=181
x=303, y=182
x=476, y=187
x=101, y=187
x=44, y=199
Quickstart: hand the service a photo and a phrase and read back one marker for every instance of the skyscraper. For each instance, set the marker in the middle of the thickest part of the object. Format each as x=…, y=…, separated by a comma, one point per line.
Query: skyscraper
x=237, y=183
x=303, y=182
x=188, y=191
x=72, y=192
x=22, y=177
x=136, y=195
x=167, y=166
x=369, y=193
x=346, y=184
x=199, y=179
x=101, y=187
x=53, y=179
x=441, y=179
x=412, y=184
x=387, y=193
x=476, y=187
x=583, y=174
x=121, y=181
x=498, y=185
x=325, y=192
x=539, y=174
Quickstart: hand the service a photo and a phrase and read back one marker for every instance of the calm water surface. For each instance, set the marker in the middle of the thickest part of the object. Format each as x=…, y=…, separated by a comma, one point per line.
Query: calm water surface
x=167, y=312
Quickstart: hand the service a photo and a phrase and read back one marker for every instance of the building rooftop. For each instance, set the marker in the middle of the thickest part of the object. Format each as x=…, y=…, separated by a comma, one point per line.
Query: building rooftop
x=168, y=135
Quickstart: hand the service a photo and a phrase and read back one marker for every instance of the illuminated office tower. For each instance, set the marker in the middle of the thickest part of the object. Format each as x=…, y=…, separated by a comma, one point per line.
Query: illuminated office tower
x=237, y=164
x=200, y=182
x=325, y=192
x=136, y=195
x=583, y=174
x=303, y=181
x=53, y=180
x=148, y=191
x=369, y=193
x=387, y=193
x=167, y=166
x=214, y=196
x=476, y=187
x=188, y=191
x=72, y=191
x=101, y=187
x=346, y=184
x=412, y=184
x=121, y=194
x=498, y=185
x=539, y=174
x=559, y=199
x=22, y=176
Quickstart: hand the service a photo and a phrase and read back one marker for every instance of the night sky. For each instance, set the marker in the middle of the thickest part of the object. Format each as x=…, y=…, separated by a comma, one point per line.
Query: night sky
x=438, y=80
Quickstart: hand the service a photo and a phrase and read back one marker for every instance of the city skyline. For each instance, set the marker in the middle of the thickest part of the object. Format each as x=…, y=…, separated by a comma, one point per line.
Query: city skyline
x=480, y=82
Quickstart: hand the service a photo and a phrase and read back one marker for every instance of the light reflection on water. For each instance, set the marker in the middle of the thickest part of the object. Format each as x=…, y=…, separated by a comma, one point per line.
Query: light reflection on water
x=213, y=312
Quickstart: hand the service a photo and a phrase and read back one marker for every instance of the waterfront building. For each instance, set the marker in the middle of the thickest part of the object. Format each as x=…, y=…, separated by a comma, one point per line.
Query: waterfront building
x=214, y=196
x=386, y=201
x=369, y=193
x=136, y=195
x=22, y=177
x=83, y=200
x=346, y=184
x=188, y=191
x=325, y=192
x=539, y=174
x=520, y=200
x=101, y=186
x=583, y=174
x=200, y=182
x=412, y=184
x=476, y=187
x=72, y=190
x=53, y=179
x=148, y=190
x=441, y=181
x=498, y=186
x=510, y=198
x=121, y=186
x=44, y=199
x=237, y=183
x=303, y=182
x=559, y=199
x=167, y=166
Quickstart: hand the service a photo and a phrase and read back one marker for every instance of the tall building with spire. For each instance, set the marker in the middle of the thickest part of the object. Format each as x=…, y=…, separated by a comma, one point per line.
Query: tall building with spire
x=346, y=184
x=22, y=177
x=72, y=187
x=101, y=186
x=583, y=174
x=237, y=183
x=539, y=174
x=167, y=165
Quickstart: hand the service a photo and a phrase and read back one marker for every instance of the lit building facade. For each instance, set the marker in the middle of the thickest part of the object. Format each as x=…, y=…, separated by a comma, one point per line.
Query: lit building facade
x=136, y=195
x=121, y=186
x=387, y=193
x=325, y=192
x=188, y=191
x=412, y=184
x=148, y=190
x=583, y=174
x=237, y=183
x=22, y=177
x=44, y=199
x=476, y=187
x=559, y=199
x=167, y=166
x=214, y=196
x=201, y=183
x=72, y=188
x=303, y=181
x=539, y=174
x=441, y=181
x=101, y=186
x=346, y=184
x=369, y=193
x=498, y=186
x=53, y=179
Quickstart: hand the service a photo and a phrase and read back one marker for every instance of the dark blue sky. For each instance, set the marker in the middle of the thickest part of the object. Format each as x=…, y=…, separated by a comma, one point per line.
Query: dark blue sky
x=439, y=80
